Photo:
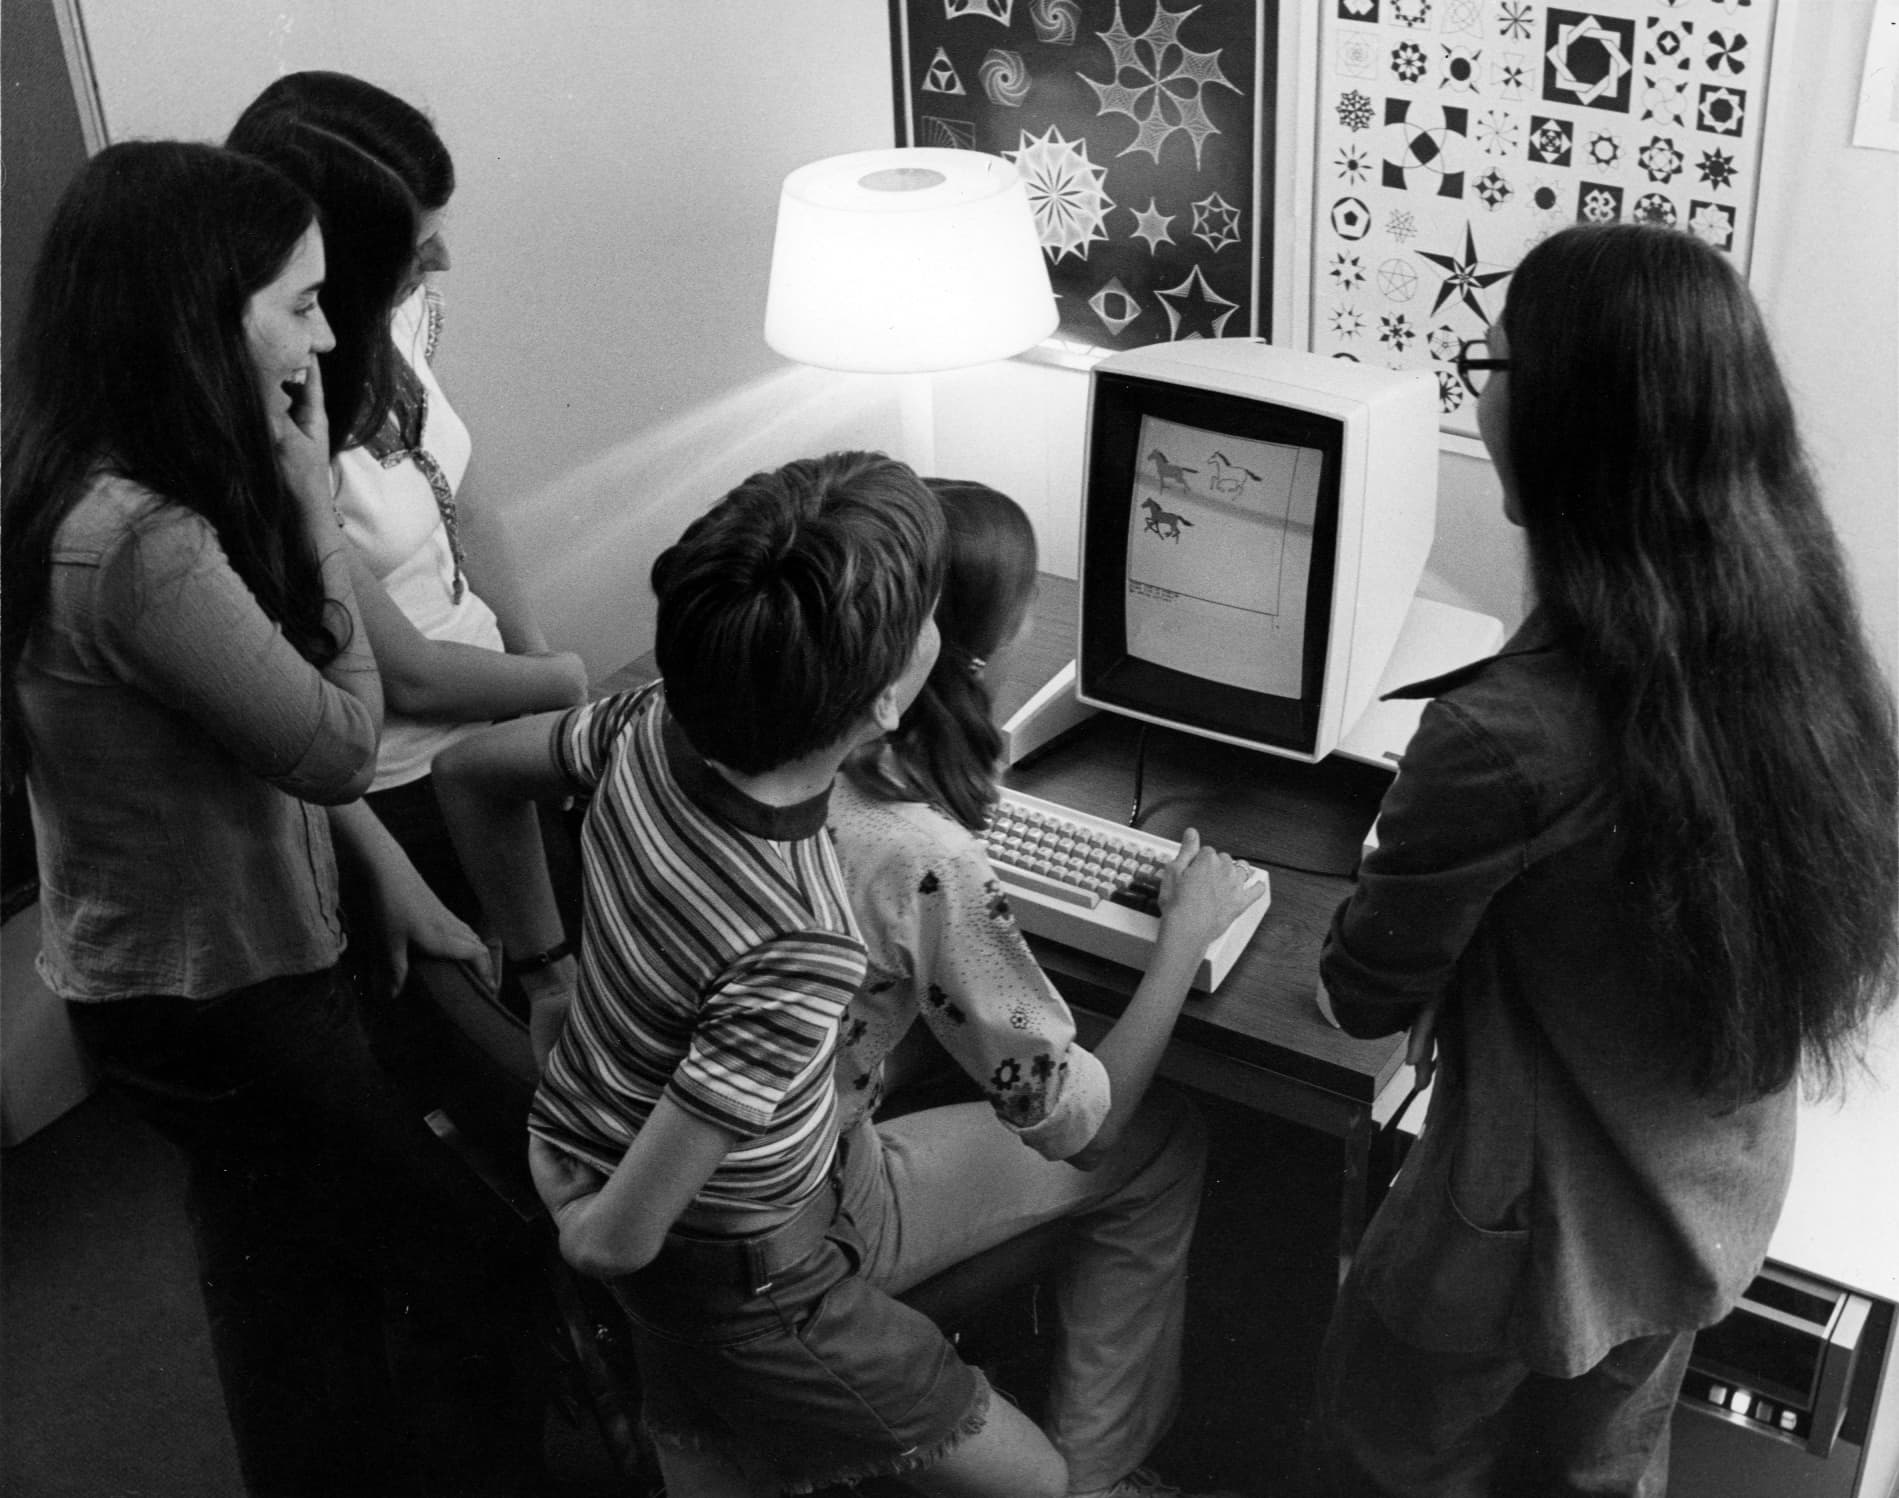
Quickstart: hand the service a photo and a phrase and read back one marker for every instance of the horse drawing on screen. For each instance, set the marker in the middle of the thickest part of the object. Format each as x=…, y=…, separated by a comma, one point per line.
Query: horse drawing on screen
x=1228, y=477
x=1164, y=523
x=1170, y=471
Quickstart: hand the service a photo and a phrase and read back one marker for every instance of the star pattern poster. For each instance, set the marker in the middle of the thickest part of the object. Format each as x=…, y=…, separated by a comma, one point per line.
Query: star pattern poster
x=1144, y=133
x=1454, y=134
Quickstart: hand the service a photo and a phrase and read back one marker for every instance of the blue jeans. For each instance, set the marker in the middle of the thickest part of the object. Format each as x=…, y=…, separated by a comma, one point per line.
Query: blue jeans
x=934, y=1188
x=336, y=1238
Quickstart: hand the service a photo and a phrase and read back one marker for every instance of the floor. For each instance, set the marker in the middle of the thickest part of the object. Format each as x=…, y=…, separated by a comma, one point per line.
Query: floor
x=107, y=1388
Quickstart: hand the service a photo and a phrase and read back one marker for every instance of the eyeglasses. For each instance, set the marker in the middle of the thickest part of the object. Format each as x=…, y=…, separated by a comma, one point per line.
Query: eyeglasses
x=1474, y=364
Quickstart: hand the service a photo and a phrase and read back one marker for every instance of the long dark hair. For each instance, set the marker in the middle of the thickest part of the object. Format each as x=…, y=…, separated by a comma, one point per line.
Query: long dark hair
x=132, y=359
x=947, y=745
x=1679, y=549
x=374, y=166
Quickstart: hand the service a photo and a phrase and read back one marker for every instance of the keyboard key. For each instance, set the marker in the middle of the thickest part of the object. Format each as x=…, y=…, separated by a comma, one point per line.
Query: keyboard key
x=1049, y=884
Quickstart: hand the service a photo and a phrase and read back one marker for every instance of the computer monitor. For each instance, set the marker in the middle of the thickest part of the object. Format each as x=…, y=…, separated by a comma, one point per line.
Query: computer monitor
x=1254, y=523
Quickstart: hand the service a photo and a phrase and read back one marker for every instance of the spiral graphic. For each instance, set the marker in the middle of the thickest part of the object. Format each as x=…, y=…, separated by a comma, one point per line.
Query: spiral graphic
x=1056, y=21
x=1004, y=78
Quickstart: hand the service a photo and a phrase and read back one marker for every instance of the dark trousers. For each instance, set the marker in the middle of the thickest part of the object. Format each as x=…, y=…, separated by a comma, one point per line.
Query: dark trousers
x=1394, y=1421
x=354, y=1274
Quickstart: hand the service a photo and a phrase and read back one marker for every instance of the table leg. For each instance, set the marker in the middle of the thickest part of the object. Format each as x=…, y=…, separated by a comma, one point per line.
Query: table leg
x=1354, y=1186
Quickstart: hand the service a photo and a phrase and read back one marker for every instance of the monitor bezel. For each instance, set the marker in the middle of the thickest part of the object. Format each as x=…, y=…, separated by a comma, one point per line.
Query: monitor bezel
x=1112, y=678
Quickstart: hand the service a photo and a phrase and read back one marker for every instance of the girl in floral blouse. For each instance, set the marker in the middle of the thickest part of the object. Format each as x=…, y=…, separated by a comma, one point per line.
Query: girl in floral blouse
x=946, y=1183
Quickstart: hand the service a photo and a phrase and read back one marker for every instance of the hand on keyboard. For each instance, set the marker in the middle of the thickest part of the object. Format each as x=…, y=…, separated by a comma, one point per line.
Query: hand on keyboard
x=1097, y=885
x=1203, y=891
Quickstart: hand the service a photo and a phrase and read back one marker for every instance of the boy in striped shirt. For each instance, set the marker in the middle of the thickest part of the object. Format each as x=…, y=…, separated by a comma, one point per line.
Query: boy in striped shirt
x=684, y=1134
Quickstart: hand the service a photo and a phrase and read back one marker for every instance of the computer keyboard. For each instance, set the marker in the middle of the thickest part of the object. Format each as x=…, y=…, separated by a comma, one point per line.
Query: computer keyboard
x=1091, y=883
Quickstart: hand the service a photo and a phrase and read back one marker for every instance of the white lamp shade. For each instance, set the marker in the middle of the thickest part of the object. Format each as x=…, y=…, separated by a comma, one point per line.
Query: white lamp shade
x=908, y=260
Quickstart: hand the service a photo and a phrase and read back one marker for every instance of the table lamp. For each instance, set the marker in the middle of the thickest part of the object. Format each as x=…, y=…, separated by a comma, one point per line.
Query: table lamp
x=907, y=261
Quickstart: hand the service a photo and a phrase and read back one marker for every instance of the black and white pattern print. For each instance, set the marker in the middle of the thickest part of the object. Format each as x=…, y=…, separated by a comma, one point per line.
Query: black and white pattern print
x=1455, y=134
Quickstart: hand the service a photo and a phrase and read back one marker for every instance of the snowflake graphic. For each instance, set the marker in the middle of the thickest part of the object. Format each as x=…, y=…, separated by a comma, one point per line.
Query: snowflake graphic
x=1494, y=189
x=1355, y=110
x=994, y=10
x=1347, y=271
x=1151, y=224
x=1716, y=168
x=1408, y=62
x=1544, y=198
x=1463, y=18
x=1461, y=68
x=1216, y=221
x=1668, y=43
x=1170, y=81
x=1347, y=321
x=1414, y=13
x=1722, y=111
x=1398, y=279
x=1462, y=278
x=1666, y=100
x=1654, y=208
x=1358, y=55
x=1353, y=163
x=1600, y=205
x=1509, y=75
x=1201, y=307
x=1064, y=189
x=1115, y=305
x=1516, y=21
x=1498, y=133
x=1660, y=159
x=1549, y=141
x=1713, y=222
x=1443, y=342
x=1586, y=61
x=1395, y=331
x=1604, y=149
x=1724, y=51
x=1450, y=392
x=1402, y=225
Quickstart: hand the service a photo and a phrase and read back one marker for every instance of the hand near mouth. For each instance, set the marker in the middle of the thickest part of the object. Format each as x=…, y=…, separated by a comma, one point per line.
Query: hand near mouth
x=302, y=437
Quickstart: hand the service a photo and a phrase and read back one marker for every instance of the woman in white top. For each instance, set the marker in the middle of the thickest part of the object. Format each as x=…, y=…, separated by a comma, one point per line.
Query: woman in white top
x=453, y=634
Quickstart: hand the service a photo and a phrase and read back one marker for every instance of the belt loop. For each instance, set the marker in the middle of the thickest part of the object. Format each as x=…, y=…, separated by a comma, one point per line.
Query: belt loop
x=758, y=1270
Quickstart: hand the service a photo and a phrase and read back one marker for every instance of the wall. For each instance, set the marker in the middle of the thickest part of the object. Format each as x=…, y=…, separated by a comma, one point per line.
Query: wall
x=1827, y=271
x=618, y=180
x=619, y=170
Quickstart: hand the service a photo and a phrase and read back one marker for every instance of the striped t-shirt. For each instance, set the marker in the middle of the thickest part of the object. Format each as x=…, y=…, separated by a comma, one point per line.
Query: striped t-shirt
x=717, y=957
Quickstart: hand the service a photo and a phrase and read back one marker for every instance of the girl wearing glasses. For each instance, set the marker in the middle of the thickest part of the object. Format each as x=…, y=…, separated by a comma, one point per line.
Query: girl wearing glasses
x=1636, y=880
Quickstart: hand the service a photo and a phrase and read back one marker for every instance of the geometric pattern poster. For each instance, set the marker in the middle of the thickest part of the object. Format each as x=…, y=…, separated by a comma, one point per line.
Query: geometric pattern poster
x=1455, y=134
x=1143, y=133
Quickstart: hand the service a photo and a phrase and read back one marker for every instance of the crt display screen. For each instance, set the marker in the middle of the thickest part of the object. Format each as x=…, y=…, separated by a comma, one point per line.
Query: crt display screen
x=1219, y=556
x=1209, y=541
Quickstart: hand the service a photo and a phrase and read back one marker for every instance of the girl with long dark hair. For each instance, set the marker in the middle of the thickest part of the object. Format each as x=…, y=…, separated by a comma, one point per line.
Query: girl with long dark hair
x=452, y=628
x=193, y=705
x=1636, y=877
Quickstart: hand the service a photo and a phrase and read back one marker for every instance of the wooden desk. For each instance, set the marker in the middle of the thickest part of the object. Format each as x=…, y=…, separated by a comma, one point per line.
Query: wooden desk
x=1260, y=1040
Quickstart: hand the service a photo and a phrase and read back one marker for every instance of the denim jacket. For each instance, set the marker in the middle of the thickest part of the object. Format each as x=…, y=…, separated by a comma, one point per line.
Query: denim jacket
x=1569, y=1192
x=178, y=741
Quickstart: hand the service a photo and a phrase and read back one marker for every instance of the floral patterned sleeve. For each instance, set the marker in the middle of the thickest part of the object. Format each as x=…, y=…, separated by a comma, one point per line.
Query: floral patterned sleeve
x=943, y=944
